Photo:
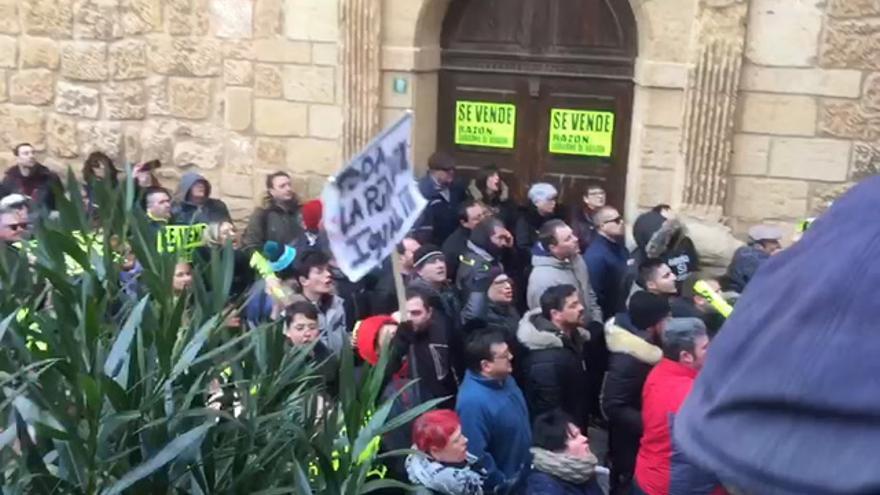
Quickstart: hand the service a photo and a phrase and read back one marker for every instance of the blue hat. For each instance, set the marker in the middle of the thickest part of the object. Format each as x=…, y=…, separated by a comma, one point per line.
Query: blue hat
x=279, y=256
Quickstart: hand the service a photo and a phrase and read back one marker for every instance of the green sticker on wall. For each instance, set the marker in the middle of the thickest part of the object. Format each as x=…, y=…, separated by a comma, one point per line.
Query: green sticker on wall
x=581, y=132
x=482, y=123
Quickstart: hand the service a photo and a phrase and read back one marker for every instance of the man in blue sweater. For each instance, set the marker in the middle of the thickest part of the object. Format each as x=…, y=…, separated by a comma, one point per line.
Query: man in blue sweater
x=494, y=415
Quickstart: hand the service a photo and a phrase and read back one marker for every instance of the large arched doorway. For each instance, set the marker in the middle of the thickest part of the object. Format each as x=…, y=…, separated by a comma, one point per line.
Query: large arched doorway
x=541, y=88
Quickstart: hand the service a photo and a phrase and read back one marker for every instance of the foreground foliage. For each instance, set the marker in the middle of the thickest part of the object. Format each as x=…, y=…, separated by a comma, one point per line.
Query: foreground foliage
x=105, y=392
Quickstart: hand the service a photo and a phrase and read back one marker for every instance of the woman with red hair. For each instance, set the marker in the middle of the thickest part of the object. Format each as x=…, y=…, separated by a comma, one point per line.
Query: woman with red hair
x=443, y=464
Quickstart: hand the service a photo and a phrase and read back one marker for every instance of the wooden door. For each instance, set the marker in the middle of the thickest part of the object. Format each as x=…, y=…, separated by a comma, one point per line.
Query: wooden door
x=571, y=56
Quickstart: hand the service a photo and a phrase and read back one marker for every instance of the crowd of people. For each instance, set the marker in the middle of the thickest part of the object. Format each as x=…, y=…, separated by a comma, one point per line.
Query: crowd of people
x=534, y=324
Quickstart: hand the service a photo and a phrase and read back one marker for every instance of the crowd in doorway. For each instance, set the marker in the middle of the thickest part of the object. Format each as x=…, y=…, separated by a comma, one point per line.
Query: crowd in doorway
x=561, y=354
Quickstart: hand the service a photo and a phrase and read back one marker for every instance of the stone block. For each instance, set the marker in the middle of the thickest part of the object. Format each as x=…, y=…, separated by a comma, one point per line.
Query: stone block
x=267, y=18
x=268, y=81
x=238, y=108
x=853, y=8
x=128, y=59
x=751, y=154
x=237, y=185
x=238, y=73
x=310, y=20
x=391, y=98
x=822, y=195
x=271, y=152
x=308, y=155
x=664, y=107
x=4, y=96
x=238, y=50
x=187, y=17
x=198, y=57
x=777, y=114
x=810, y=158
x=84, y=61
x=157, y=140
x=309, y=83
x=871, y=99
x=760, y=198
x=239, y=154
x=99, y=136
x=124, y=101
x=61, y=136
x=661, y=148
x=9, y=16
x=232, y=18
x=52, y=18
x=865, y=160
x=283, y=51
x=819, y=82
x=240, y=210
x=131, y=140
x=325, y=54
x=39, y=53
x=23, y=124
x=95, y=19
x=77, y=100
x=8, y=52
x=203, y=155
x=851, y=44
x=157, y=96
x=140, y=16
x=325, y=121
x=655, y=187
x=189, y=98
x=655, y=74
x=847, y=119
x=280, y=118
x=783, y=32
x=32, y=87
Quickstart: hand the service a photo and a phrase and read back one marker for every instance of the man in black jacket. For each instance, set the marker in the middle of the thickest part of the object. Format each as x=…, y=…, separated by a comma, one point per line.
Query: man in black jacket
x=488, y=241
x=430, y=275
x=278, y=219
x=633, y=340
x=444, y=195
x=553, y=369
x=470, y=213
x=32, y=179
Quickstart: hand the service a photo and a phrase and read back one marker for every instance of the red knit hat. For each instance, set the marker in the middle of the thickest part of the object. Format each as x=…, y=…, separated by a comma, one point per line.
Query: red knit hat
x=366, y=335
x=311, y=214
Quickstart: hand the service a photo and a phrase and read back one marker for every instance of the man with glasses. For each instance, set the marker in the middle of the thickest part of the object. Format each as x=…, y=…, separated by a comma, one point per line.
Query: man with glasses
x=583, y=215
x=14, y=226
x=494, y=415
x=606, y=259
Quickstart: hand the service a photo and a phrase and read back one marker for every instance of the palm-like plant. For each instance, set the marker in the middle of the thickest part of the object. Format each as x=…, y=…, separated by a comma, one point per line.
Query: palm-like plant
x=106, y=393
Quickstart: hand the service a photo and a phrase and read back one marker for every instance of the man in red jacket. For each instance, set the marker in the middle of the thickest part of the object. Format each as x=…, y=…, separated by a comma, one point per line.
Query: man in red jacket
x=660, y=468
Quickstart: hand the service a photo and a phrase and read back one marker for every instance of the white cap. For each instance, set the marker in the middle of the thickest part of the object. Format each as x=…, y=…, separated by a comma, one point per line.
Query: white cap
x=765, y=233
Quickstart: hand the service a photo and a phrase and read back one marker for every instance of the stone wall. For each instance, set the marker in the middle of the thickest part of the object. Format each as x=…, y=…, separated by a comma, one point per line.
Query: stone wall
x=231, y=88
x=808, y=121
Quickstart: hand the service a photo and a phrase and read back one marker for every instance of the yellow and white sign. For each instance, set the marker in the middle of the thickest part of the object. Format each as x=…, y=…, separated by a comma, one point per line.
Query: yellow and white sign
x=581, y=132
x=482, y=123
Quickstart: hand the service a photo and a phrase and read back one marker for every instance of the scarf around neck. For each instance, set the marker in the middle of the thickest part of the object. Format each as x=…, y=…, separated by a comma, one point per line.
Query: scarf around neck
x=442, y=478
x=565, y=467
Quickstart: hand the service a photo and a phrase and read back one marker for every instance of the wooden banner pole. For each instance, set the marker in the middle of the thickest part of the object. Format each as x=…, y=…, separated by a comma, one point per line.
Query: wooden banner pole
x=398, y=284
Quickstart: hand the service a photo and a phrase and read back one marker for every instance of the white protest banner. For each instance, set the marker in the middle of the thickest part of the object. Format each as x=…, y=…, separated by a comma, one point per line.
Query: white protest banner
x=373, y=202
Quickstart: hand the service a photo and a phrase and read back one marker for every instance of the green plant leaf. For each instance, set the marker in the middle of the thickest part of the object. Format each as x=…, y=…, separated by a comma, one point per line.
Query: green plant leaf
x=116, y=365
x=163, y=457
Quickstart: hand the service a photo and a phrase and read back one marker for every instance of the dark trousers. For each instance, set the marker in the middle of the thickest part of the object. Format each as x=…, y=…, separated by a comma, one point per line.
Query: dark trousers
x=636, y=490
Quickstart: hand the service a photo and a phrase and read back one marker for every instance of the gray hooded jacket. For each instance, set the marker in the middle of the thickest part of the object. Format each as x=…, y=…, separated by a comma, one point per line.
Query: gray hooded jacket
x=188, y=213
x=548, y=271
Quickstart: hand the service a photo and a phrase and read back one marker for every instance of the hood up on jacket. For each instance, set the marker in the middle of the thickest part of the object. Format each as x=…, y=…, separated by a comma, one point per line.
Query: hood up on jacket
x=537, y=333
x=623, y=341
x=654, y=233
x=787, y=402
x=187, y=182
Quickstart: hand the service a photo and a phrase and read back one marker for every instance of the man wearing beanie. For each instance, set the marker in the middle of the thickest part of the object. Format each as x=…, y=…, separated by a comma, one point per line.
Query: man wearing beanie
x=430, y=275
x=444, y=196
x=633, y=341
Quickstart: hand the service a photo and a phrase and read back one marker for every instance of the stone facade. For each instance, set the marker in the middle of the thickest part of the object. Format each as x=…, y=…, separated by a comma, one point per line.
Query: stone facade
x=237, y=88
x=231, y=88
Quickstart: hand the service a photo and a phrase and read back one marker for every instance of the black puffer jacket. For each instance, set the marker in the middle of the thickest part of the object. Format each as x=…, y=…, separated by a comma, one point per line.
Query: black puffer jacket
x=273, y=222
x=631, y=359
x=553, y=371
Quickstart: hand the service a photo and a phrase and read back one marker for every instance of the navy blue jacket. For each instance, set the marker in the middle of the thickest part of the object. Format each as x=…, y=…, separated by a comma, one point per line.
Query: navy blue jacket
x=495, y=420
x=440, y=218
x=787, y=402
x=606, y=262
x=547, y=484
